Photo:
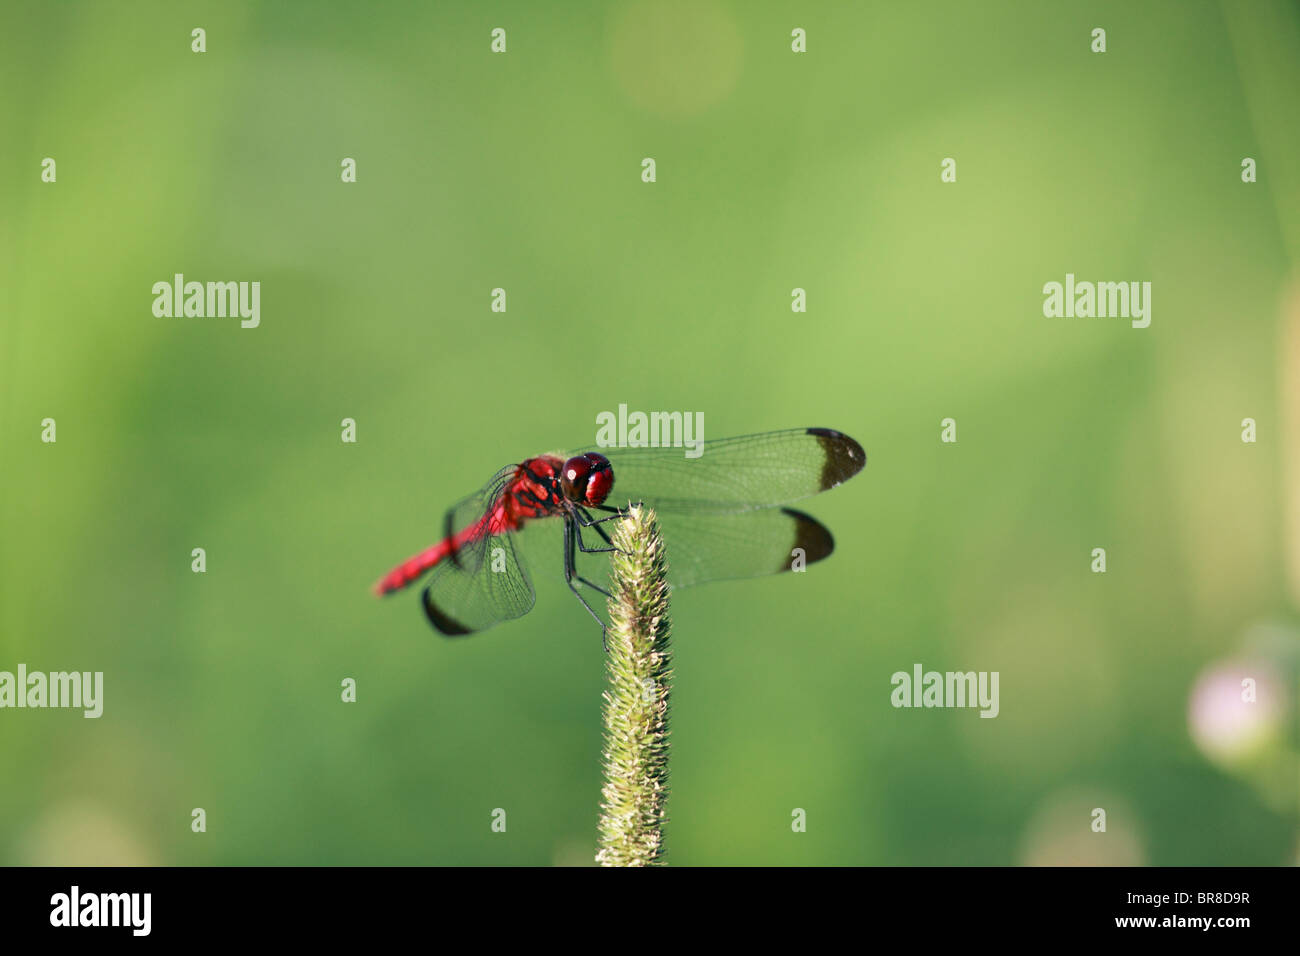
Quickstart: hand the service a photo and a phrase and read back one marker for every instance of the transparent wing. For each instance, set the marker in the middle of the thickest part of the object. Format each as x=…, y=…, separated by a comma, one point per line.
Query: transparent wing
x=723, y=546
x=735, y=474
x=473, y=509
x=720, y=546
x=484, y=581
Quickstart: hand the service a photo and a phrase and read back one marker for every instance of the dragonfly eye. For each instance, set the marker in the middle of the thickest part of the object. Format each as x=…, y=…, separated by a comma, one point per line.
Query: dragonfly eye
x=587, y=479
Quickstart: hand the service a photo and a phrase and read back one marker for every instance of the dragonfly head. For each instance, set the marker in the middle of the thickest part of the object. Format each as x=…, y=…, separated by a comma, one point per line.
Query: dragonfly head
x=587, y=479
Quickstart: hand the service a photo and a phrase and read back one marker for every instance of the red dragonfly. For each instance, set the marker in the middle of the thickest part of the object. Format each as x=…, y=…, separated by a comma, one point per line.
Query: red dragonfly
x=720, y=515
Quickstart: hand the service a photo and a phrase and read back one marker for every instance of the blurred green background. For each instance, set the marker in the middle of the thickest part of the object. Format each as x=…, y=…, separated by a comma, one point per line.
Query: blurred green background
x=775, y=170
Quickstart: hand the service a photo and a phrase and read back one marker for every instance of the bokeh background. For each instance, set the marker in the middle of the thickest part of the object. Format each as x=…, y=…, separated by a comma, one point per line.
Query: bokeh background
x=775, y=171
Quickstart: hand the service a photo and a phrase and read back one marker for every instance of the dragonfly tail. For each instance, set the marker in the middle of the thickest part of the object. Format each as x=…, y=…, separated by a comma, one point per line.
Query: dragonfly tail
x=411, y=569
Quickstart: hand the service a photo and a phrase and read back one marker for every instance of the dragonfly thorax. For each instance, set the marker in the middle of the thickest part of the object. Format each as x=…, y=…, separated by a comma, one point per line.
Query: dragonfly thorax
x=535, y=491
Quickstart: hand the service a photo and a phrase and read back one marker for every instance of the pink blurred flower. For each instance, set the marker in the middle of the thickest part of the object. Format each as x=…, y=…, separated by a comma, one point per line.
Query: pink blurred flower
x=1225, y=723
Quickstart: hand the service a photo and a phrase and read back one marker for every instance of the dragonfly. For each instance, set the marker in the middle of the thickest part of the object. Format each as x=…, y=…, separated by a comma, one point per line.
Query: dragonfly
x=722, y=515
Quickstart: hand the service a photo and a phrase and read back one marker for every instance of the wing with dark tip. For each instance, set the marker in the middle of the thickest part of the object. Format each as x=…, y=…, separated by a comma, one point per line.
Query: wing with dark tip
x=489, y=585
x=484, y=581
x=735, y=474
x=721, y=546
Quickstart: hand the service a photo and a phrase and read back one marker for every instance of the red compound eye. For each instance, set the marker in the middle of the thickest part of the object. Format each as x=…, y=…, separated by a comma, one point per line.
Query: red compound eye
x=587, y=479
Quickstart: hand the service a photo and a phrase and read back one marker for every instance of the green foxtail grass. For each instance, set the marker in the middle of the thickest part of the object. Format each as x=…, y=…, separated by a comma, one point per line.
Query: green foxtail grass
x=638, y=665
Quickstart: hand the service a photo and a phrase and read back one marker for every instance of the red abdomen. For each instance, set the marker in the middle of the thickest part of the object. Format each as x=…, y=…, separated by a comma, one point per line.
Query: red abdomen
x=533, y=492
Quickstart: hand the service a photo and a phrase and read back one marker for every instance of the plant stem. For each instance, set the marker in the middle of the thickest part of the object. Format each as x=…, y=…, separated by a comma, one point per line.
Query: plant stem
x=638, y=665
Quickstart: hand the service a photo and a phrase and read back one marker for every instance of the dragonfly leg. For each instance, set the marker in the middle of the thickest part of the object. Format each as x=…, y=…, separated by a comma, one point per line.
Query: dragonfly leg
x=591, y=584
x=596, y=527
x=571, y=574
x=586, y=550
x=587, y=521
